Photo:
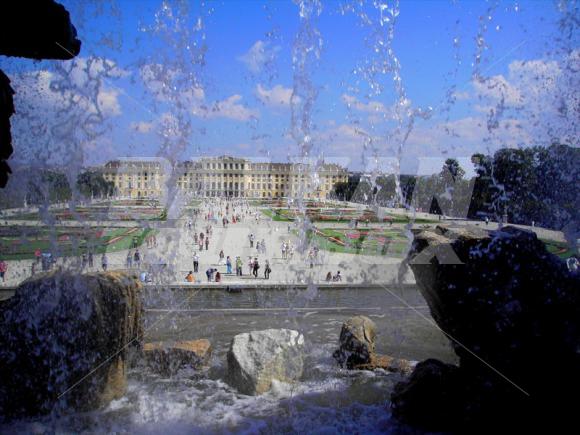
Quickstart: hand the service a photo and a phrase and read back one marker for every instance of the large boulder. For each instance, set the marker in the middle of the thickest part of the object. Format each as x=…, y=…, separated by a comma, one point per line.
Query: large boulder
x=505, y=302
x=166, y=358
x=65, y=341
x=257, y=358
x=356, y=342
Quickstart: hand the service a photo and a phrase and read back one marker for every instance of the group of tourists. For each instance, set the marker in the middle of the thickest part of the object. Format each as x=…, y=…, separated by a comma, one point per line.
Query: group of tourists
x=203, y=238
x=151, y=241
x=133, y=259
x=287, y=249
x=333, y=278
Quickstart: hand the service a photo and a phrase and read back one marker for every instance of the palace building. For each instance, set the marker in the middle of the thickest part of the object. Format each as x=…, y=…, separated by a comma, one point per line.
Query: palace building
x=223, y=176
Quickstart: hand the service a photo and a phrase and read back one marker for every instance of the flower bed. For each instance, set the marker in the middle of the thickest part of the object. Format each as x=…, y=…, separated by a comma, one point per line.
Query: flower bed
x=20, y=242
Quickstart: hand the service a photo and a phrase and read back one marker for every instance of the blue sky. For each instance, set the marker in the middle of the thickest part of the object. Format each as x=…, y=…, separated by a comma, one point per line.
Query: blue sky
x=237, y=101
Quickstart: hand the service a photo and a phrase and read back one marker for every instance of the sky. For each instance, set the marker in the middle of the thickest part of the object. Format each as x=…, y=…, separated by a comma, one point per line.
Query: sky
x=374, y=86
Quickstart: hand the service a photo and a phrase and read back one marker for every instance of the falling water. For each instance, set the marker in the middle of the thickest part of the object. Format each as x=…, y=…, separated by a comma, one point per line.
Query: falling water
x=174, y=78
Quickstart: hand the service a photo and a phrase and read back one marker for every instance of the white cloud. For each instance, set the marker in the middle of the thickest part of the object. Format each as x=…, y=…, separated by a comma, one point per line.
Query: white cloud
x=542, y=94
x=259, y=55
x=64, y=114
x=82, y=86
x=142, y=126
x=278, y=96
x=371, y=107
x=229, y=108
x=165, y=85
x=170, y=85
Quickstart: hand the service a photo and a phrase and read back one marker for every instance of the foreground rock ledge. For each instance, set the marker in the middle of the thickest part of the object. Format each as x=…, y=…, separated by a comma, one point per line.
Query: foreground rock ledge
x=512, y=304
x=257, y=358
x=67, y=333
x=166, y=358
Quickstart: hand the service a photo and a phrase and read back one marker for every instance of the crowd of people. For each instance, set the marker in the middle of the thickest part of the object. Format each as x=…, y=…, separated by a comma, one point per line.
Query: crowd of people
x=229, y=211
x=200, y=226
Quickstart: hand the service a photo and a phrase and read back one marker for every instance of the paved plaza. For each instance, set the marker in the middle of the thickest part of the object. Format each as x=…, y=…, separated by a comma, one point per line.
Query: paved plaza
x=170, y=260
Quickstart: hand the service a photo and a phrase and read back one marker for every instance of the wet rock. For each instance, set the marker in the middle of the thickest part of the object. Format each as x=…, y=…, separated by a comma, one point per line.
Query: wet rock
x=257, y=358
x=506, y=299
x=386, y=362
x=429, y=398
x=356, y=342
x=37, y=30
x=6, y=111
x=65, y=341
x=166, y=358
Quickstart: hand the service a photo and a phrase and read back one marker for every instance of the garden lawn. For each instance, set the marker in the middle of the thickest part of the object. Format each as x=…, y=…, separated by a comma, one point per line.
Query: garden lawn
x=392, y=243
x=19, y=243
x=560, y=249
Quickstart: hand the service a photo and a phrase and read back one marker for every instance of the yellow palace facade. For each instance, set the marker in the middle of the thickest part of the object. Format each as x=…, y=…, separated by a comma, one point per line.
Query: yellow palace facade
x=223, y=176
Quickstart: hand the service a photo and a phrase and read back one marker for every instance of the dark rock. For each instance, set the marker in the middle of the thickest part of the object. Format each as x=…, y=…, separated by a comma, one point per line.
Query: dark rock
x=429, y=398
x=506, y=300
x=167, y=358
x=6, y=111
x=356, y=342
x=38, y=29
x=65, y=341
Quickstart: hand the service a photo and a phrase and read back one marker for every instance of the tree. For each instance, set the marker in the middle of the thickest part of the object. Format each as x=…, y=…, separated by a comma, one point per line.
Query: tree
x=452, y=169
x=91, y=184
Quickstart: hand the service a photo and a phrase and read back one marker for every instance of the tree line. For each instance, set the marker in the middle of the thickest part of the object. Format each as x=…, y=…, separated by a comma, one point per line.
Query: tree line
x=48, y=186
x=536, y=185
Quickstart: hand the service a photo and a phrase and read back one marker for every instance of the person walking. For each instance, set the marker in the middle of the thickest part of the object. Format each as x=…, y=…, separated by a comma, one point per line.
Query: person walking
x=251, y=265
x=267, y=270
x=251, y=238
x=137, y=259
x=207, y=243
x=129, y=260
x=283, y=250
x=221, y=259
x=228, y=265
x=238, y=266
x=3, y=270
x=195, y=262
x=256, y=267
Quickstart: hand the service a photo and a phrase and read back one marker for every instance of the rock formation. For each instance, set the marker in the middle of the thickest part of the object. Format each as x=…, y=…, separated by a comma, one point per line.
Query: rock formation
x=356, y=342
x=507, y=303
x=256, y=358
x=65, y=340
x=357, y=348
x=167, y=358
x=36, y=30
